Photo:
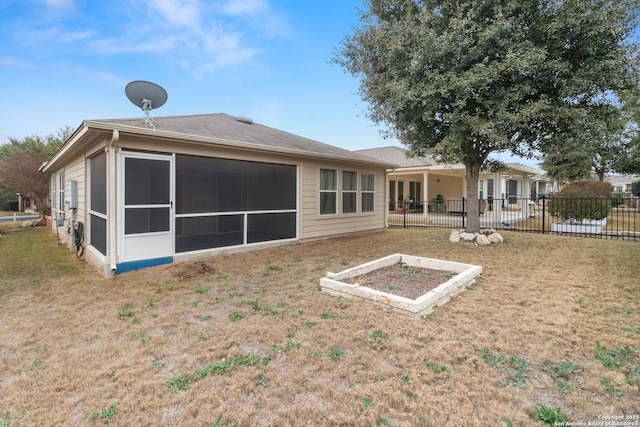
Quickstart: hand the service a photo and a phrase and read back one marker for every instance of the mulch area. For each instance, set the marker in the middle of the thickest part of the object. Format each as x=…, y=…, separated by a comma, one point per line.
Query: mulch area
x=402, y=280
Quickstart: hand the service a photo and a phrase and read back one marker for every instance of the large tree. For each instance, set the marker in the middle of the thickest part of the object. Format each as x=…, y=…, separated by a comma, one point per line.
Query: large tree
x=462, y=79
x=600, y=146
x=20, y=162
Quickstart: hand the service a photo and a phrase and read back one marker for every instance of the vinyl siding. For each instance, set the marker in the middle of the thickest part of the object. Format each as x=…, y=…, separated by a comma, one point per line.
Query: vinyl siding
x=314, y=225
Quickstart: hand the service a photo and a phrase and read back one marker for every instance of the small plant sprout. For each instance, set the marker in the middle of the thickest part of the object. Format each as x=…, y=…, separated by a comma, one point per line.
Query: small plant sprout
x=126, y=311
x=326, y=314
x=156, y=365
x=235, y=315
x=220, y=422
x=405, y=379
x=291, y=345
x=436, y=368
x=106, y=414
x=201, y=290
x=367, y=402
x=611, y=390
x=142, y=337
x=377, y=338
x=335, y=353
x=36, y=365
x=262, y=380
x=550, y=416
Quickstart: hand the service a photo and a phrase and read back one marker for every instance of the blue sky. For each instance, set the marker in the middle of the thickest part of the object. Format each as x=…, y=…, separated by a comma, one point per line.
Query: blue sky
x=64, y=61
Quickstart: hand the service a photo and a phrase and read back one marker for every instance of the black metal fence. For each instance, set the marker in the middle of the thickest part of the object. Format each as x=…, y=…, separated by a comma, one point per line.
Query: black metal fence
x=614, y=218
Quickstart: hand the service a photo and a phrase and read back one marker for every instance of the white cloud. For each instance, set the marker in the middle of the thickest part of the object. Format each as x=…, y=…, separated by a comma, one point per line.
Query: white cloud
x=59, y=4
x=206, y=35
x=242, y=7
x=184, y=13
x=8, y=62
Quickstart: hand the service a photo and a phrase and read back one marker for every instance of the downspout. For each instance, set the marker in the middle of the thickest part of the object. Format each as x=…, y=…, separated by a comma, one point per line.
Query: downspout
x=111, y=207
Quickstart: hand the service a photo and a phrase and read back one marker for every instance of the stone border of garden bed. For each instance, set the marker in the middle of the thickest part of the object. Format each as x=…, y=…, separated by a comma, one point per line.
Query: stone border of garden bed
x=466, y=275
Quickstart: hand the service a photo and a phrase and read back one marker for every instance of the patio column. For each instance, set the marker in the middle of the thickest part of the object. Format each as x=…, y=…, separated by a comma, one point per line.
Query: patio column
x=425, y=194
x=497, y=198
x=526, y=195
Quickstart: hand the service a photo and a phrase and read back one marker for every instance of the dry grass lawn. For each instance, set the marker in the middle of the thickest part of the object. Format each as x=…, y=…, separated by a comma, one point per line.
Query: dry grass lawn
x=249, y=340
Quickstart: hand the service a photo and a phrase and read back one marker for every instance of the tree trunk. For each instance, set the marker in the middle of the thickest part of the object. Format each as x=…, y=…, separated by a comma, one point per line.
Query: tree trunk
x=472, y=174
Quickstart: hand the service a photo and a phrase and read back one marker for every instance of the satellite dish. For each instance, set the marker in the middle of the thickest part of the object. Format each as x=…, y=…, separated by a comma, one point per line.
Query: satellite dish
x=147, y=96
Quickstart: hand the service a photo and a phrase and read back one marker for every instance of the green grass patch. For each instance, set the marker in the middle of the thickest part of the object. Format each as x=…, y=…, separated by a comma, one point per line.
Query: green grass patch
x=550, y=416
x=106, y=414
x=33, y=250
x=220, y=367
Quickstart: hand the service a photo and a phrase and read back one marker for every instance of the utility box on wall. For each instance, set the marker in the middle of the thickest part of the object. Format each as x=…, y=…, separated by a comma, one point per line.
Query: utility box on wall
x=73, y=194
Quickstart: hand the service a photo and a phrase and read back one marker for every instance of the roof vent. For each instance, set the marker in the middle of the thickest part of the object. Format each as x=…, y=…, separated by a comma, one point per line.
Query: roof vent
x=244, y=119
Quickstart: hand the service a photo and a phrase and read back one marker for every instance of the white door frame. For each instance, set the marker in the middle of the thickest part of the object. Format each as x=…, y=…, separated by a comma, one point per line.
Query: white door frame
x=156, y=244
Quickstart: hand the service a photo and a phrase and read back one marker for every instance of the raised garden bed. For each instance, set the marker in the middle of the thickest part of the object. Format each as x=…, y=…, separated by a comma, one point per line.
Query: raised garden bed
x=412, y=285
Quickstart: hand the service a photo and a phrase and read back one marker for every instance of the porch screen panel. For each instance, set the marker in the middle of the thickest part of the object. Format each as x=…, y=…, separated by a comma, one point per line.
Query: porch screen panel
x=98, y=166
x=270, y=187
x=267, y=227
x=208, y=232
x=146, y=220
x=141, y=174
x=98, y=202
x=213, y=197
x=99, y=234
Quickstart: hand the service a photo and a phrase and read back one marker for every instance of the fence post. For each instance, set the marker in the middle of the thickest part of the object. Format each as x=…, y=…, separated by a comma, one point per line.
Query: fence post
x=404, y=216
x=463, y=215
x=544, y=216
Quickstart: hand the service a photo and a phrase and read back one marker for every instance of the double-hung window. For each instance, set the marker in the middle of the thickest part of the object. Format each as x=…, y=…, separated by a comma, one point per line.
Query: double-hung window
x=368, y=192
x=328, y=191
x=349, y=192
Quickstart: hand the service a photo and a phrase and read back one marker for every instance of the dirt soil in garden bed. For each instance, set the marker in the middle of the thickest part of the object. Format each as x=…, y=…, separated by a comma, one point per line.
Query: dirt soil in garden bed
x=402, y=280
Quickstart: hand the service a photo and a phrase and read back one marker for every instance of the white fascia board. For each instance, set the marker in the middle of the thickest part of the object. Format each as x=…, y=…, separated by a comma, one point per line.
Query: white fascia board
x=66, y=147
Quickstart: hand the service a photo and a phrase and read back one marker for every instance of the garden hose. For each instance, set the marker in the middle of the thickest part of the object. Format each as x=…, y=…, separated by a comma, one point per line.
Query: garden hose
x=79, y=239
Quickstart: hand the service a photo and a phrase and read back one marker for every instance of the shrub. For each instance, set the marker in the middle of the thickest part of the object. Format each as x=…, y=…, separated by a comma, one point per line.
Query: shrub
x=582, y=200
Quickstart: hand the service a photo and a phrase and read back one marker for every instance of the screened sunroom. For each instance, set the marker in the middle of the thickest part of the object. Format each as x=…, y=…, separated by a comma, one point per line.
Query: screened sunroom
x=198, y=185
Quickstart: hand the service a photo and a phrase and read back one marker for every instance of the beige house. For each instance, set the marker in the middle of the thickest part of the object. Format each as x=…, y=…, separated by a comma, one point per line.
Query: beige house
x=418, y=182
x=143, y=195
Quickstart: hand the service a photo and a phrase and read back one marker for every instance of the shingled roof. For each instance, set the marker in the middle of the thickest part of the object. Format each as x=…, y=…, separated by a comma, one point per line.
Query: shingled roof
x=397, y=156
x=222, y=126
x=215, y=129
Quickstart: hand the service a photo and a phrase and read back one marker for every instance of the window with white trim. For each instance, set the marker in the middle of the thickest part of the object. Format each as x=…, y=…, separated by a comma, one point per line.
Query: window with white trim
x=52, y=196
x=328, y=191
x=349, y=192
x=61, y=191
x=368, y=192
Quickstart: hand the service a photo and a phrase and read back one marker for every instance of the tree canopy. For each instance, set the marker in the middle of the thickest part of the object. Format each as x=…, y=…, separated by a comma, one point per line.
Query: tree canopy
x=20, y=161
x=460, y=80
x=602, y=145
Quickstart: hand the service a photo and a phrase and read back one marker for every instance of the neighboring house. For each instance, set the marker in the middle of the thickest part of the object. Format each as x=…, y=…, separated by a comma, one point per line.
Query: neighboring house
x=624, y=184
x=424, y=180
x=201, y=184
x=25, y=204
